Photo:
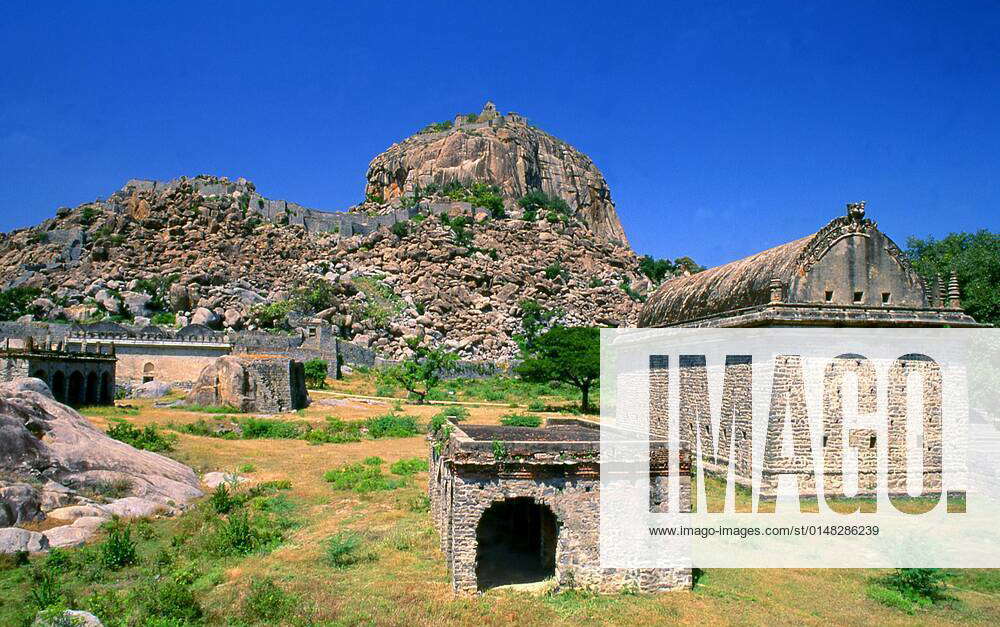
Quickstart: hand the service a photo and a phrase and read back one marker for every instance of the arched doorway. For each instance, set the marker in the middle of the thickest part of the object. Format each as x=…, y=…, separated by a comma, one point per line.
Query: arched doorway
x=107, y=391
x=59, y=386
x=516, y=543
x=75, y=392
x=148, y=372
x=93, y=394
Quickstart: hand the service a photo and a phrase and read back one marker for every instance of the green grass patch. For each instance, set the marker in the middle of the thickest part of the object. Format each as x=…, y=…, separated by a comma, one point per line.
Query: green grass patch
x=362, y=478
x=149, y=438
x=407, y=467
x=520, y=420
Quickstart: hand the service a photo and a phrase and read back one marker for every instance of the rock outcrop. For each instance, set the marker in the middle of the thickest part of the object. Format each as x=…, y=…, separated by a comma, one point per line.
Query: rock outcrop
x=505, y=151
x=195, y=254
x=52, y=459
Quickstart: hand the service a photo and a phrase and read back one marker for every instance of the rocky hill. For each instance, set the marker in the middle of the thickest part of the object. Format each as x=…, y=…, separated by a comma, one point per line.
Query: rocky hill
x=503, y=150
x=193, y=251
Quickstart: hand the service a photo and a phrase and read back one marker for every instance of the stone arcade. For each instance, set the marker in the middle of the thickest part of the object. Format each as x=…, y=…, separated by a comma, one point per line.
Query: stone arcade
x=517, y=505
x=82, y=377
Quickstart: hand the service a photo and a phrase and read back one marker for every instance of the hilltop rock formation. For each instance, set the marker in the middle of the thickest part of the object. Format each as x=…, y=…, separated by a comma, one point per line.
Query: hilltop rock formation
x=196, y=249
x=505, y=151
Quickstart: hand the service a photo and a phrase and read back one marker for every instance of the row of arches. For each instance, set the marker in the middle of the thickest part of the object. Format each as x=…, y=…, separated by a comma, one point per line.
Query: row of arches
x=78, y=389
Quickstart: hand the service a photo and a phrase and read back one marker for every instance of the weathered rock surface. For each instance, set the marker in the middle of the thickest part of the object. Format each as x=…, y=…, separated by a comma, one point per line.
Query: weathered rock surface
x=43, y=440
x=505, y=151
x=15, y=540
x=152, y=389
x=76, y=618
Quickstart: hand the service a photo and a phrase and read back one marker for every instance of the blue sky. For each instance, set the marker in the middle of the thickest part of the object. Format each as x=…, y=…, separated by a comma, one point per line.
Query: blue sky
x=722, y=128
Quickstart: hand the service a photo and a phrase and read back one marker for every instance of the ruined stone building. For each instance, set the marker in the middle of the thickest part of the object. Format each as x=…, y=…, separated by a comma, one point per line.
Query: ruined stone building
x=251, y=384
x=517, y=505
x=847, y=274
x=77, y=377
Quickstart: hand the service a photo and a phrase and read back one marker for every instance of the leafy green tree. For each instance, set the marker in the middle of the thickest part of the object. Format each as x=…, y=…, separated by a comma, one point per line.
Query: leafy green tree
x=421, y=372
x=16, y=302
x=535, y=319
x=975, y=257
x=569, y=355
x=316, y=371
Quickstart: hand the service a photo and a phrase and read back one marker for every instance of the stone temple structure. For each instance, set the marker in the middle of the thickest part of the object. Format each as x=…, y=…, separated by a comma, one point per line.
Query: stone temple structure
x=847, y=274
x=85, y=376
x=517, y=505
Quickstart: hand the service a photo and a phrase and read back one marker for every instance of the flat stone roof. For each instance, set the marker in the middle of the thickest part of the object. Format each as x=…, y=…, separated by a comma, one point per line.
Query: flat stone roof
x=549, y=433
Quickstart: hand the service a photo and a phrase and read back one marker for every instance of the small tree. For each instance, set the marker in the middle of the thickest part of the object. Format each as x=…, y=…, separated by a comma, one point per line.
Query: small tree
x=566, y=354
x=421, y=372
x=316, y=370
x=535, y=319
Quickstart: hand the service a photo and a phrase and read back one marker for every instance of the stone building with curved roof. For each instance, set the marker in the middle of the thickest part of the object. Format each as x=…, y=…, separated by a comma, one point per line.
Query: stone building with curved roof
x=846, y=274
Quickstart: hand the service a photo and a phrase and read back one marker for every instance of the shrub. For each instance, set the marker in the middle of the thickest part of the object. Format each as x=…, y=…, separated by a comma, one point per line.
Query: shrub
x=267, y=603
x=149, y=438
x=16, y=302
x=271, y=429
x=271, y=315
x=554, y=270
x=918, y=583
x=520, y=420
x=172, y=600
x=247, y=468
x=118, y=550
x=437, y=127
x=411, y=466
x=316, y=296
x=241, y=535
x=166, y=318
x=336, y=431
x=221, y=500
x=316, y=371
x=381, y=303
x=400, y=229
x=391, y=426
x=345, y=549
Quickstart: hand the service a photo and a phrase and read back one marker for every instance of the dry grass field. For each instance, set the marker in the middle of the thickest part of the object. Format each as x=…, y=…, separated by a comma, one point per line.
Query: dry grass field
x=398, y=575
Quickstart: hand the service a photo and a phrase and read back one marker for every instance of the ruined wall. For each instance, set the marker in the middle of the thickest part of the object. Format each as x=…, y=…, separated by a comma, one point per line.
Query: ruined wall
x=570, y=488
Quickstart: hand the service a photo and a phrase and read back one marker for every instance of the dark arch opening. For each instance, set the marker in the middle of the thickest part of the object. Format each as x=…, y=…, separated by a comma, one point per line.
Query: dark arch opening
x=40, y=374
x=107, y=392
x=59, y=386
x=516, y=543
x=148, y=372
x=93, y=394
x=75, y=393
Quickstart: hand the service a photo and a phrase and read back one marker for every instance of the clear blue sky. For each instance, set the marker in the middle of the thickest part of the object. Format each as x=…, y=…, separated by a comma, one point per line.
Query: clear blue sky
x=722, y=128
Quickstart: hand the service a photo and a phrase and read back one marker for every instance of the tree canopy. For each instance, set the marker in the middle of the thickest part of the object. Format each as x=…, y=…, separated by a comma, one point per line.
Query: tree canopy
x=569, y=355
x=421, y=372
x=975, y=258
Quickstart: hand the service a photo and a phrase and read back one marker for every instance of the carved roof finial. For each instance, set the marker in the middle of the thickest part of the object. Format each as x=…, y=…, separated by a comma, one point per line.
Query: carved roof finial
x=954, y=297
x=856, y=210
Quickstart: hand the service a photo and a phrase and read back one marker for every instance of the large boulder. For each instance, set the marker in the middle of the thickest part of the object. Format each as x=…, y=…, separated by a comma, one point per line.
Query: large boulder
x=251, y=384
x=205, y=317
x=19, y=503
x=152, y=389
x=15, y=540
x=43, y=439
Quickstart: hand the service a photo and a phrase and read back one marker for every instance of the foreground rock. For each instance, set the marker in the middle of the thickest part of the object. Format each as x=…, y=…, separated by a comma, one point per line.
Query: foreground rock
x=54, y=461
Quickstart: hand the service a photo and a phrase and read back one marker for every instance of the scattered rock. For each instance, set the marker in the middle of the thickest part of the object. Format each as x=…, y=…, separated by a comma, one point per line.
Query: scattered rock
x=205, y=317
x=133, y=507
x=214, y=479
x=15, y=540
x=152, y=389
x=67, y=618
